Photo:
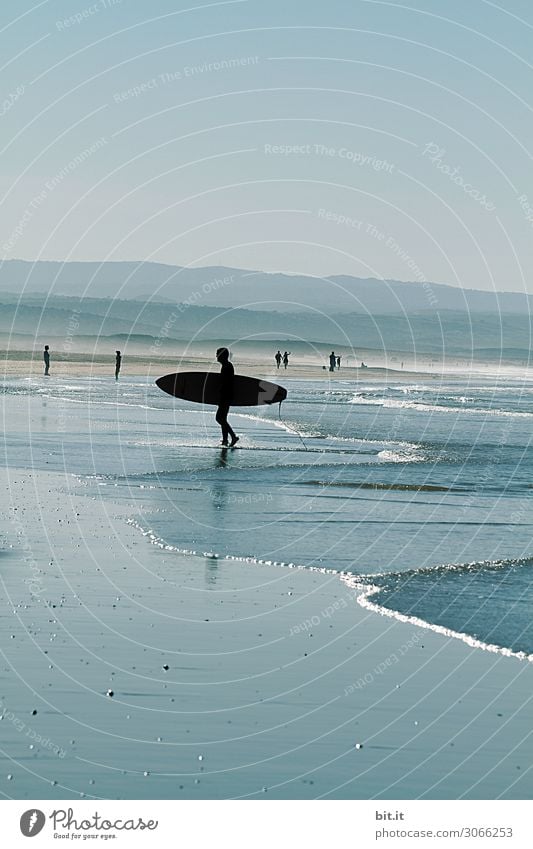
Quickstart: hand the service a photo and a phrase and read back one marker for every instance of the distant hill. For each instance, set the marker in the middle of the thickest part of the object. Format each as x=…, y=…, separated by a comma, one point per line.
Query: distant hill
x=254, y=290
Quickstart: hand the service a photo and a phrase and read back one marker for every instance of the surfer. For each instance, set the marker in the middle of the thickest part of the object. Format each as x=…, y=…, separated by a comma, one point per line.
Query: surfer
x=286, y=358
x=278, y=359
x=226, y=397
x=118, y=363
x=332, y=361
x=46, y=358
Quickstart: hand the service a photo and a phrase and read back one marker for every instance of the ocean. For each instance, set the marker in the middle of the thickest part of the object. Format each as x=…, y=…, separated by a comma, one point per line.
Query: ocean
x=420, y=491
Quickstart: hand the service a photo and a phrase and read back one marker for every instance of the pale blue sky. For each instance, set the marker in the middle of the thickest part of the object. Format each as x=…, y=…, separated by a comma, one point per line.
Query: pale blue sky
x=185, y=169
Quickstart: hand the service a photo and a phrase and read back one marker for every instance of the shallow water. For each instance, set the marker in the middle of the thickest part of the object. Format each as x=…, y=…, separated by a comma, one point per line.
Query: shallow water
x=390, y=482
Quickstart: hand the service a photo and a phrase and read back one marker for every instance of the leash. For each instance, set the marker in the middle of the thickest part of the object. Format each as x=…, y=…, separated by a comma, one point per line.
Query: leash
x=292, y=430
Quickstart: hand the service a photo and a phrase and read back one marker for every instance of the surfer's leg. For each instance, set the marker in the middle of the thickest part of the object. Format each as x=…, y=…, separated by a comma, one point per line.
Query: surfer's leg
x=222, y=419
x=227, y=430
x=232, y=435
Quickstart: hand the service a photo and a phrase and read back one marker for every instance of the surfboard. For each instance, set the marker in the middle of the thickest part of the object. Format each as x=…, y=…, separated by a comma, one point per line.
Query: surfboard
x=203, y=387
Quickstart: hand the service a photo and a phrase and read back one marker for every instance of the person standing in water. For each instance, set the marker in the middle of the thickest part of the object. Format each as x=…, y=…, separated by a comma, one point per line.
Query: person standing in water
x=226, y=396
x=278, y=359
x=332, y=361
x=46, y=358
x=118, y=363
x=286, y=358
x=338, y=362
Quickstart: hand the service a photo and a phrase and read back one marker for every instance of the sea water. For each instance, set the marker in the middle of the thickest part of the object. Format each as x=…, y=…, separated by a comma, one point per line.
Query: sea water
x=421, y=490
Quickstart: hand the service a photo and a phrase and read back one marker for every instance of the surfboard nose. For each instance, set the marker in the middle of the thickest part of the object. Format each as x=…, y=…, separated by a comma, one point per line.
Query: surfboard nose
x=172, y=384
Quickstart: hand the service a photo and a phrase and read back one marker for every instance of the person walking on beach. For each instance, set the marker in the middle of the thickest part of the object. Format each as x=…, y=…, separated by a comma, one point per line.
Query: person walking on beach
x=278, y=359
x=286, y=358
x=118, y=363
x=338, y=362
x=332, y=361
x=226, y=397
x=46, y=358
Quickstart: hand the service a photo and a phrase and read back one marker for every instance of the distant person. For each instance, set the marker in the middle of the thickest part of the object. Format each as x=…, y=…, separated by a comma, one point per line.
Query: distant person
x=338, y=362
x=46, y=358
x=332, y=361
x=286, y=358
x=226, y=396
x=278, y=359
x=363, y=365
x=118, y=363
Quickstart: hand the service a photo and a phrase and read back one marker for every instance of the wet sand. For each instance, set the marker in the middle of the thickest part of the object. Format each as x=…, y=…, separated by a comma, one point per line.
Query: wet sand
x=131, y=671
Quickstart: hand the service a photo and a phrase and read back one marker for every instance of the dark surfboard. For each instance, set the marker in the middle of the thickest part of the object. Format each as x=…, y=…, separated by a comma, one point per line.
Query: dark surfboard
x=204, y=388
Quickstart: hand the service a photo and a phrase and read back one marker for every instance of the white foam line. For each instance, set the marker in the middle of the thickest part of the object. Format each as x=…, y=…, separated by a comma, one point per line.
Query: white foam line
x=277, y=423
x=160, y=543
x=311, y=434
x=393, y=403
x=353, y=582
x=398, y=457
x=367, y=590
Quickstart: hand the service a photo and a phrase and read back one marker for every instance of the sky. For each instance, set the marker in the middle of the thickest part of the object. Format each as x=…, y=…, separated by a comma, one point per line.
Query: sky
x=353, y=137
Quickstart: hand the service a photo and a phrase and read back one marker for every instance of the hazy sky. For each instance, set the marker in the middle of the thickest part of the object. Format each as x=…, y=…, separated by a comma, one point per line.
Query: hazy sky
x=378, y=139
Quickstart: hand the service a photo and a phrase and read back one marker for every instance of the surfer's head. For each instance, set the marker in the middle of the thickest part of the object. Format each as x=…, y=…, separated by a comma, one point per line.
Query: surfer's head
x=222, y=355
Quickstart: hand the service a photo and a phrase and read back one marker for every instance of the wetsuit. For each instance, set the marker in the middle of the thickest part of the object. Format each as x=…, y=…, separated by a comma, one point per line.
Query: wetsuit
x=226, y=396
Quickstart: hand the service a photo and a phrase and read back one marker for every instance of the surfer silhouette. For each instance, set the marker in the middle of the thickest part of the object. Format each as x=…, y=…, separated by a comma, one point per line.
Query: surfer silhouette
x=286, y=358
x=46, y=358
x=278, y=359
x=332, y=361
x=226, y=397
x=118, y=363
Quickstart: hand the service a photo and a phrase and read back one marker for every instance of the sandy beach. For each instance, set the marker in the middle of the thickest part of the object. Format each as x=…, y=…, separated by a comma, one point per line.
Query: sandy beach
x=14, y=363
x=131, y=670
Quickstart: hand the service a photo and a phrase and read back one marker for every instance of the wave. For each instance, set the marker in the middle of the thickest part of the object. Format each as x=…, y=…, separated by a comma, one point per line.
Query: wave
x=365, y=589
x=472, y=566
x=384, y=456
x=277, y=449
x=374, y=584
x=389, y=456
x=396, y=403
x=289, y=427
x=400, y=487
x=307, y=432
x=159, y=542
